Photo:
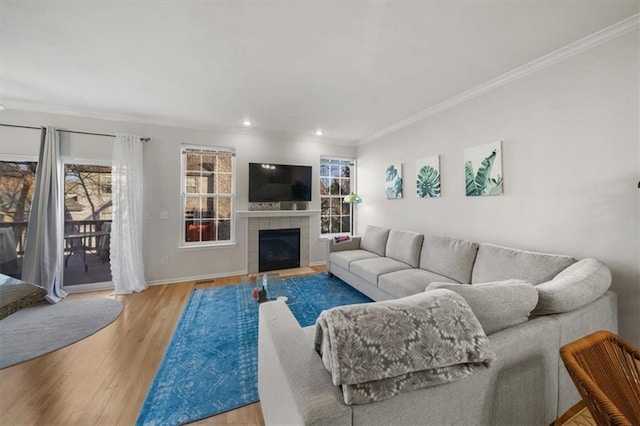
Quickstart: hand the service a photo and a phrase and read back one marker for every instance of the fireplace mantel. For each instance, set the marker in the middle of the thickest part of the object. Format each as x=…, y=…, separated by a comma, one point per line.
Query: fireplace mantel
x=277, y=213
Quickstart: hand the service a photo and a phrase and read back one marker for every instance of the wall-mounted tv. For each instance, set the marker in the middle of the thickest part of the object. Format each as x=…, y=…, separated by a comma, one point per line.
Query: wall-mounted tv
x=279, y=182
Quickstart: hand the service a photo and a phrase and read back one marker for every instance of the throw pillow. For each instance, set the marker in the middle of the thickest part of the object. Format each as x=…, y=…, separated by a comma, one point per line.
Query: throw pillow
x=576, y=286
x=497, y=305
x=375, y=239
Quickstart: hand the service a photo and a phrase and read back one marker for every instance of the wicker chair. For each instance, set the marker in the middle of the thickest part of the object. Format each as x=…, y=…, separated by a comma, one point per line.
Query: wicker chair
x=606, y=372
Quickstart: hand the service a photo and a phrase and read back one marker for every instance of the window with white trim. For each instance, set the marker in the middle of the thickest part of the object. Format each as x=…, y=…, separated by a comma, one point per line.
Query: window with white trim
x=336, y=182
x=207, y=189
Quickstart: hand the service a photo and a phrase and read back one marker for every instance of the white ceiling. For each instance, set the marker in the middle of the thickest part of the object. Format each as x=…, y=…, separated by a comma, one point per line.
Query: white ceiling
x=350, y=68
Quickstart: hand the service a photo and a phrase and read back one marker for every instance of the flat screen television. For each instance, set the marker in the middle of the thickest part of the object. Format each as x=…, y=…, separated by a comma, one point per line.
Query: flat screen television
x=279, y=182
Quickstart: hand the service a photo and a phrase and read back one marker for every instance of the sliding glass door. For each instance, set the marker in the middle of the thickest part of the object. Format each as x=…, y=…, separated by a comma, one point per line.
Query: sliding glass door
x=87, y=224
x=17, y=182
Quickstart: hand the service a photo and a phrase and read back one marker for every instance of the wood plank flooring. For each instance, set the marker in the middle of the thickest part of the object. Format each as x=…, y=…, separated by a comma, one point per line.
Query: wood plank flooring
x=103, y=379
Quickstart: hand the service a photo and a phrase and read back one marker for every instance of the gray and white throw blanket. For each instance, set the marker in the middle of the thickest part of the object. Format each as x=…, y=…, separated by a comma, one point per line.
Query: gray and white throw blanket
x=377, y=350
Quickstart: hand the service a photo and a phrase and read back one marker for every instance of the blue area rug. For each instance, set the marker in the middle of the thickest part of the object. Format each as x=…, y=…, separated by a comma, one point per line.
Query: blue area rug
x=211, y=364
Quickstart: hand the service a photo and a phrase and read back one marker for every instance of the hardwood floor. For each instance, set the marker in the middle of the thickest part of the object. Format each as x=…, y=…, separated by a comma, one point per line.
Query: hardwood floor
x=103, y=379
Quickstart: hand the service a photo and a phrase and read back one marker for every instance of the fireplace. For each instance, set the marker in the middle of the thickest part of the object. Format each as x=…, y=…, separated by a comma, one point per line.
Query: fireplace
x=278, y=249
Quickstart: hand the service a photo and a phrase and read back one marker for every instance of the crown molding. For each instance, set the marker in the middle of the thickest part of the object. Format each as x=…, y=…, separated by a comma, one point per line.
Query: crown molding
x=602, y=36
x=16, y=105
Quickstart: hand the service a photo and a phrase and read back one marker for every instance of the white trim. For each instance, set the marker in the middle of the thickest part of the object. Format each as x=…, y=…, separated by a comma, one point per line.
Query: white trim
x=196, y=278
x=85, y=288
x=276, y=213
x=320, y=263
x=609, y=33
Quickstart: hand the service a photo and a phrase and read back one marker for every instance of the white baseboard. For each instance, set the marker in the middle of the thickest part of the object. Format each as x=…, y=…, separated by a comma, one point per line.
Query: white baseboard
x=84, y=288
x=196, y=278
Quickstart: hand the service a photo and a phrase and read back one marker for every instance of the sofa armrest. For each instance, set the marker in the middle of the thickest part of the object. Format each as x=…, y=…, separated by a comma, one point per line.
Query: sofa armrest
x=293, y=384
x=353, y=244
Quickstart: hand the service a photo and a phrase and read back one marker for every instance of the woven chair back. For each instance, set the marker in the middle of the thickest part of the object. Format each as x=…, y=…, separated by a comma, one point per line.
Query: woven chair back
x=606, y=372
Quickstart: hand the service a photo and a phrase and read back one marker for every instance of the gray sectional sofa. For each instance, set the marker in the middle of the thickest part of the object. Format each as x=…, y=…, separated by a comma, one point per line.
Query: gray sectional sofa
x=529, y=305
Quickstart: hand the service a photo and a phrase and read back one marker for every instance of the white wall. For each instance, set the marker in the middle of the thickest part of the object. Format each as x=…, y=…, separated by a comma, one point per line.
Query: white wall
x=571, y=162
x=162, y=182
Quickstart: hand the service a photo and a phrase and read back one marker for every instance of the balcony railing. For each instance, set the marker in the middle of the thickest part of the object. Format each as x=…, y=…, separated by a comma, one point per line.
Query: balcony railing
x=70, y=226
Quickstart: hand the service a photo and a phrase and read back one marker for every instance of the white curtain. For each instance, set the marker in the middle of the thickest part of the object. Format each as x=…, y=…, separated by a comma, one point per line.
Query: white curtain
x=42, y=252
x=127, y=268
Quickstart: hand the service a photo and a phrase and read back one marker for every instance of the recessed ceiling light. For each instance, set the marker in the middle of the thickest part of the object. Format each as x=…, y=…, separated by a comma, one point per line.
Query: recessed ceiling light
x=1, y=107
x=247, y=123
x=319, y=132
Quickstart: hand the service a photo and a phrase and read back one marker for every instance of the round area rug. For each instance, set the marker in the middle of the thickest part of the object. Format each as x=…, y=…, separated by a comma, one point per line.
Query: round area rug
x=36, y=331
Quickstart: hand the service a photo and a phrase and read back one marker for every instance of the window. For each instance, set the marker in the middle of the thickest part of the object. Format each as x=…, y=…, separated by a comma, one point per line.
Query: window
x=335, y=184
x=207, y=195
x=17, y=183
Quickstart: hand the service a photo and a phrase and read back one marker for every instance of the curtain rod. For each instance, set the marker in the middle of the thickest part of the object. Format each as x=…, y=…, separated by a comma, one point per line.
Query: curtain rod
x=67, y=131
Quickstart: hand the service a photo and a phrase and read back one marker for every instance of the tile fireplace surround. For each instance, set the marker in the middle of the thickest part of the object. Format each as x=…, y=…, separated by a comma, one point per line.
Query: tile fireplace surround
x=276, y=219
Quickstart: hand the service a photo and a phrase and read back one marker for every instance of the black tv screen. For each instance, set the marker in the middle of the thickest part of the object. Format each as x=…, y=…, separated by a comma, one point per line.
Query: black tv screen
x=279, y=182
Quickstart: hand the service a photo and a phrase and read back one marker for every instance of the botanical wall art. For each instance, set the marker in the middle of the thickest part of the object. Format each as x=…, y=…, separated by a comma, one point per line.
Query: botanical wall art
x=428, y=180
x=483, y=169
x=393, y=181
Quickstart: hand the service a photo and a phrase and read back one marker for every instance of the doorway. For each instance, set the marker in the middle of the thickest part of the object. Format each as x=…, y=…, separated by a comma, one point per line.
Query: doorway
x=87, y=224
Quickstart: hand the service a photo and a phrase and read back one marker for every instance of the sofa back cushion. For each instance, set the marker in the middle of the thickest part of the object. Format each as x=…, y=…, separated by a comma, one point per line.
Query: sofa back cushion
x=375, y=239
x=576, y=286
x=404, y=246
x=449, y=257
x=497, y=305
x=496, y=263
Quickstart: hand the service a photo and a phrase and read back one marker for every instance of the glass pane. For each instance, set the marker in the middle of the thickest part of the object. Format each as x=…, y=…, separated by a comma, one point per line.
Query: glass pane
x=335, y=171
x=199, y=207
x=335, y=225
x=335, y=187
x=17, y=182
x=346, y=224
x=324, y=224
x=345, y=186
x=324, y=168
x=324, y=186
x=345, y=171
x=193, y=162
x=192, y=184
x=336, y=206
x=192, y=205
x=346, y=209
x=324, y=205
x=224, y=230
x=87, y=223
x=224, y=164
x=208, y=163
x=224, y=208
x=207, y=230
x=224, y=183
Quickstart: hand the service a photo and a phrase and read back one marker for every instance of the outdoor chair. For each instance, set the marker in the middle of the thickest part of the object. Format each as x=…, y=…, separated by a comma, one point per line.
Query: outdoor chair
x=606, y=372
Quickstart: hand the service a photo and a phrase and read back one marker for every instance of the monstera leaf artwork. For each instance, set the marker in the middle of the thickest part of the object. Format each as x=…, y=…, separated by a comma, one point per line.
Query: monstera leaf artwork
x=428, y=179
x=483, y=170
x=393, y=181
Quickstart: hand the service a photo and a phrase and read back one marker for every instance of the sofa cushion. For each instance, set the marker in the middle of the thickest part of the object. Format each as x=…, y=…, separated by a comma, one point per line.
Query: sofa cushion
x=404, y=246
x=344, y=258
x=375, y=239
x=449, y=257
x=576, y=286
x=495, y=263
x=408, y=281
x=498, y=305
x=370, y=269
